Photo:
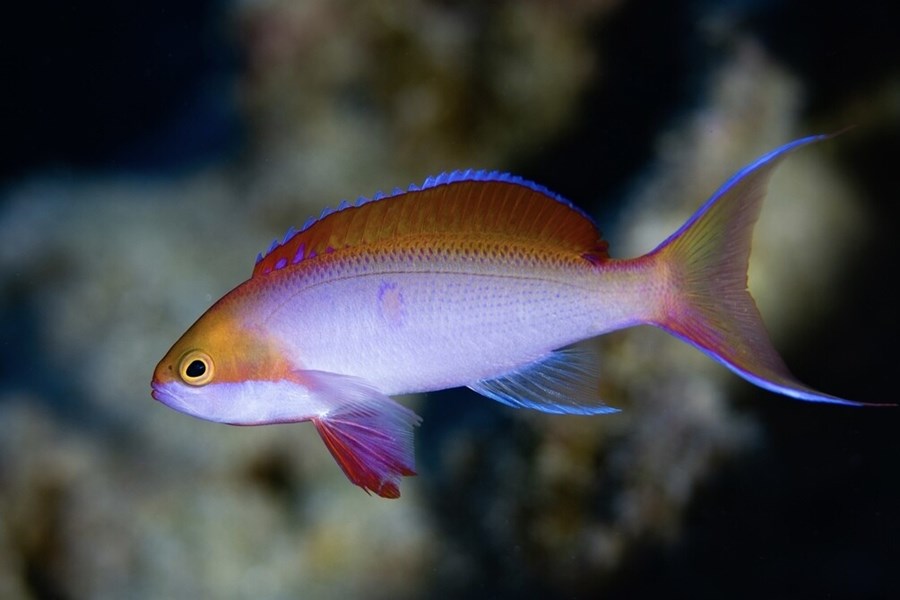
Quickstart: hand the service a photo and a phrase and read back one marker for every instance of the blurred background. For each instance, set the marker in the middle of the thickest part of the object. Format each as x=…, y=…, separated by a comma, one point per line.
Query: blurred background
x=151, y=149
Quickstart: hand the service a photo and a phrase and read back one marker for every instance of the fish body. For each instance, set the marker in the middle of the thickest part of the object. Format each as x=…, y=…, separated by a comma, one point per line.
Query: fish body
x=476, y=279
x=407, y=322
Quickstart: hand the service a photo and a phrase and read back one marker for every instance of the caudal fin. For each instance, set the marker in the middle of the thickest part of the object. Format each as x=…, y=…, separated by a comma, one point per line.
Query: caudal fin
x=707, y=261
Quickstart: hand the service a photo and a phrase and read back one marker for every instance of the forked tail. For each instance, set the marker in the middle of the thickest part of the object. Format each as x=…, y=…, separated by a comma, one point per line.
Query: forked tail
x=706, y=261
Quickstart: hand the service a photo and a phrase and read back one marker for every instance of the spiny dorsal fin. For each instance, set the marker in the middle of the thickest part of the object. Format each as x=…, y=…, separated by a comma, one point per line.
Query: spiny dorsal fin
x=476, y=203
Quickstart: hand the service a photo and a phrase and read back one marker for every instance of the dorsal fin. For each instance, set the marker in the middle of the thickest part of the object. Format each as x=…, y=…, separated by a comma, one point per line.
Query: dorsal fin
x=479, y=203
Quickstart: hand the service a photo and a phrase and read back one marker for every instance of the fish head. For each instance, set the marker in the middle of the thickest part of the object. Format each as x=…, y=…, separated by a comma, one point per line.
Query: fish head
x=226, y=370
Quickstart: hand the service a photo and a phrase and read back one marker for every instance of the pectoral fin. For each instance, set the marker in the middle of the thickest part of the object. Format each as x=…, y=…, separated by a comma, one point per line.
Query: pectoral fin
x=368, y=434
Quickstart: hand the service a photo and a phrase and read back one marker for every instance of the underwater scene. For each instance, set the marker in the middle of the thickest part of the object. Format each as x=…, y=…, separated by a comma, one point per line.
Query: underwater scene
x=432, y=404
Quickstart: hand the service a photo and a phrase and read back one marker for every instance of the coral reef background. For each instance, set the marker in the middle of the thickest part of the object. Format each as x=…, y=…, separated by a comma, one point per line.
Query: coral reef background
x=153, y=148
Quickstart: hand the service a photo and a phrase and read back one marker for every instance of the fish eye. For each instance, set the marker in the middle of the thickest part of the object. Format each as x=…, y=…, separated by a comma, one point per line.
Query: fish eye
x=196, y=368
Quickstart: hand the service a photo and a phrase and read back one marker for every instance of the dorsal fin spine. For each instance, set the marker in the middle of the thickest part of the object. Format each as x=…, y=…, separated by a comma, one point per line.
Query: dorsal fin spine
x=290, y=233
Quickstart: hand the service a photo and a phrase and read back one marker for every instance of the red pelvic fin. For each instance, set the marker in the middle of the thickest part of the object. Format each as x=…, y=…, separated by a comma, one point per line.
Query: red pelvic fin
x=370, y=436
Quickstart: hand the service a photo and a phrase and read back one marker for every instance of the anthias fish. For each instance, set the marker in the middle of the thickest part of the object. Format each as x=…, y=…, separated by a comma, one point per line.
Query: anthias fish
x=474, y=278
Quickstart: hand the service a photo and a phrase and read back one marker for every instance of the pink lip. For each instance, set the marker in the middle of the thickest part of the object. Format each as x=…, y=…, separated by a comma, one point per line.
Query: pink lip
x=155, y=392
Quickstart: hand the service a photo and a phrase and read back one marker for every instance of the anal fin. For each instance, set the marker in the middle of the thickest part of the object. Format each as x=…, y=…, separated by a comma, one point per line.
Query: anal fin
x=368, y=434
x=562, y=382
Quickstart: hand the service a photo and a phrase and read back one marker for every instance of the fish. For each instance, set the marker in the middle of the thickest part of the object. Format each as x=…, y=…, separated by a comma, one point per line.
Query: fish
x=477, y=279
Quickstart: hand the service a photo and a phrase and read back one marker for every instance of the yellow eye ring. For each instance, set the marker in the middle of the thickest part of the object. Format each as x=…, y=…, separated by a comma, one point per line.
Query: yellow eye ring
x=196, y=368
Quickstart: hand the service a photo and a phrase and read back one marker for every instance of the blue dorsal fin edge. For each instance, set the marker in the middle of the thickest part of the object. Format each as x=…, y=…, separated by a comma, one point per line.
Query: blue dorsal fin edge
x=446, y=178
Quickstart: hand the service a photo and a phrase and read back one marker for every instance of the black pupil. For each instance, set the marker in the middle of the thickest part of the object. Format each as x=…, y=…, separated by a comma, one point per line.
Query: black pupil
x=195, y=369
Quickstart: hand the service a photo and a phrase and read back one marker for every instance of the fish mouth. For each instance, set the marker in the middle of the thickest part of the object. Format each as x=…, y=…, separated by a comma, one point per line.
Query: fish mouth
x=171, y=395
x=158, y=393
